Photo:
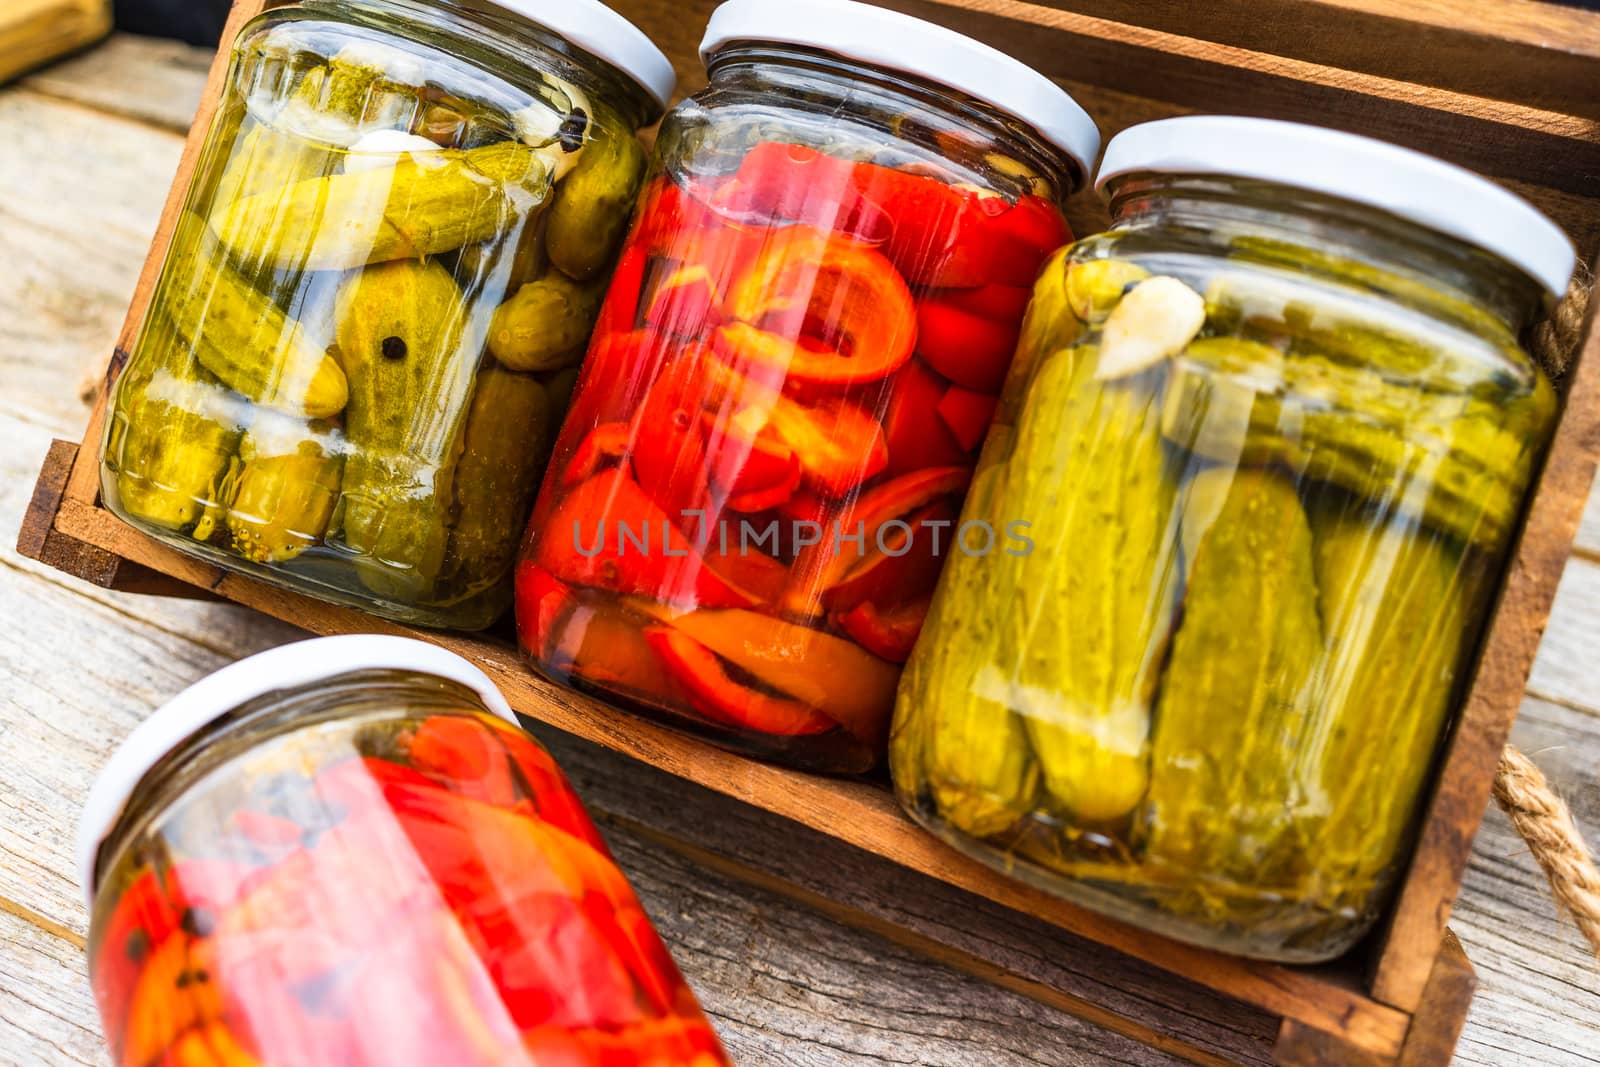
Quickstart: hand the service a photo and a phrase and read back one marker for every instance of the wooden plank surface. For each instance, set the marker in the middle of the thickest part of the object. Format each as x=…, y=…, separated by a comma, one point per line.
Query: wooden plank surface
x=788, y=982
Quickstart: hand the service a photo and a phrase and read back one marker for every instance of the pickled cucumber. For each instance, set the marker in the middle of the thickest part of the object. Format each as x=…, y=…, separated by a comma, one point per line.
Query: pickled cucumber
x=1229, y=801
x=510, y=430
x=424, y=205
x=546, y=325
x=592, y=206
x=1451, y=459
x=244, y=338
x=1094, y=602
x=172, y=438
x=1399, y=603
x=405, y=341
x=956, y=736
x=287, y=488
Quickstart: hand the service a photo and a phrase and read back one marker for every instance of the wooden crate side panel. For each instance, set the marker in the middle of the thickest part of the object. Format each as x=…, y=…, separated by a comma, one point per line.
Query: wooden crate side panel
x=1506, y=661
x=1542, y=55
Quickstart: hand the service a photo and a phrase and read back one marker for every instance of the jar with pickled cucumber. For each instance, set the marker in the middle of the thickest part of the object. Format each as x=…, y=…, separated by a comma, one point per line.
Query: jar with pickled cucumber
x=379, y=290
x=797, y=363
x=1270, y=438
x=345, y=852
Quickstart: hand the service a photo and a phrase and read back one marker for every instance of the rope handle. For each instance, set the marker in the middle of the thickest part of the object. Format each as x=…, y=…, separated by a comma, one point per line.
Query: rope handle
x=1545, y=822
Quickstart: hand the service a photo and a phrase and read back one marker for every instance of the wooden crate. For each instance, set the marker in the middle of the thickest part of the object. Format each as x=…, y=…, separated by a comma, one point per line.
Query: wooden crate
x=33, y=32
x=1508, y=90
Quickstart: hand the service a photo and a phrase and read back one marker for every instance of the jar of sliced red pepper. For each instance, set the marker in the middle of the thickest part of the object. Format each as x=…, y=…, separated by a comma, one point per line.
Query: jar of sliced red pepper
x=799, y=358
x=343, y=853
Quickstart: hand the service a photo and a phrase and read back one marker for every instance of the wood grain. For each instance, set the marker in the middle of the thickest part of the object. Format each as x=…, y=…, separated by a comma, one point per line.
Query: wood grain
x=144, y=78
x=36, y=31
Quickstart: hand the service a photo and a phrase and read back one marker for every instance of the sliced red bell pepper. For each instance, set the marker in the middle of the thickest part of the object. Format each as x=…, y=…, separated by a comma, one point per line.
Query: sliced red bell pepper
x=669, y=448
x=553, y=796
x=555, y=960
x=817, y=669
x=969, y=415
x=892, y=634
x=839, y=444
x=745, y=455
x=541, y=603
x=269, y=833
x=756, y=501
x=780, y=182
x=616, y=374
x=916, y=437
x=714, y=692
x=805, y=506
x=748, y=568
x=839, y=291
x=630, y=933
x=1006, y=304
x=583, y=544
x=905, y=571
x=602, y=644
x=972, y=351
x=141, y=920
x=606, y=445
x=685, y=303
x=620, y=313
x=940, y=231
x=177, y=991
x=211, y=1045
x=820, y=567
x=463, y=755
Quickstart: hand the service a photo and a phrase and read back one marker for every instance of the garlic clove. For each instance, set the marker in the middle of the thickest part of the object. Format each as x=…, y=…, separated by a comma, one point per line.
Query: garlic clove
x=1153, y=323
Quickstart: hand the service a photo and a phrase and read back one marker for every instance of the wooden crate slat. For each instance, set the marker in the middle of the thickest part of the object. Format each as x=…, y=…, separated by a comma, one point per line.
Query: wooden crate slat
x=1542, y=55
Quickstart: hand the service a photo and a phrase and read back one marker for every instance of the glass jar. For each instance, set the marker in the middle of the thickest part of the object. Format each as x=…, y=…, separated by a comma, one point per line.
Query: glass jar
x=794, y=370
x=345, y=852
x=384, y=276
x=1269, y=439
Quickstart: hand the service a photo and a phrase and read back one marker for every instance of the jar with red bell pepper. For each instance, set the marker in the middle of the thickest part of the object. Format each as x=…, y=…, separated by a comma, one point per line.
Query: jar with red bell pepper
x=344, y=853
x=796, y=365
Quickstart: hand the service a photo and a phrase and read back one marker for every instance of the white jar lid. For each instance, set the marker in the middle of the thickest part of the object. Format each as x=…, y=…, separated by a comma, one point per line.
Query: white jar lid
x=1425, y=190
x=597, y=29
x=288, y=667
x=893, y=41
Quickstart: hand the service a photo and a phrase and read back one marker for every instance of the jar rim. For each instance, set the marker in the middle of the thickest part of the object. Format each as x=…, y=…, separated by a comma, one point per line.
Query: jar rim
x=891, y=41
x=1419, y=188
x=605, y=34
x=286, y=667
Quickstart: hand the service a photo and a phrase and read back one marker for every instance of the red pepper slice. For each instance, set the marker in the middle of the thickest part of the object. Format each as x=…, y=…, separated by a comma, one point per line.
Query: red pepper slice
x=211, y=1045
x=1005, y=304
x=177, y=991
x=553, y=796
x=969, y=415
x=1035, y=224
x=669, y=449
x=686, y=303
x=465, y=757
x=774, y=496
x=972, y=351
x=267, y=832
x=541, y=601
x=805, y=506
x=917, y=438
x=842, y=292
x=746, y=455
x=748, y=568
x=620, y=313
x=584, y=544
x=616, y=374
x=819, y=567
x=839, y=679
x=142, y=919
x=606, y=445
x=603, y=644
x=892, y=634
x=940, y=232
x=887, y=577
x=780, y=182
x=714, y=693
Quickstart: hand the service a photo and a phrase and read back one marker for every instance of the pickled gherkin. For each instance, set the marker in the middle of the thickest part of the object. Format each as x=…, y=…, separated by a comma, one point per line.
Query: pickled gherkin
x=510, y=429
x=245, y=339
x=1092, y=604
x=172, y=437
x=424, y=205
x=545, y=325
x=589, y=216
x=1454, y=460
x=1226, y=803
x=966, y=748
x=402, y=334
x=286, y=490
x=1397, y=603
